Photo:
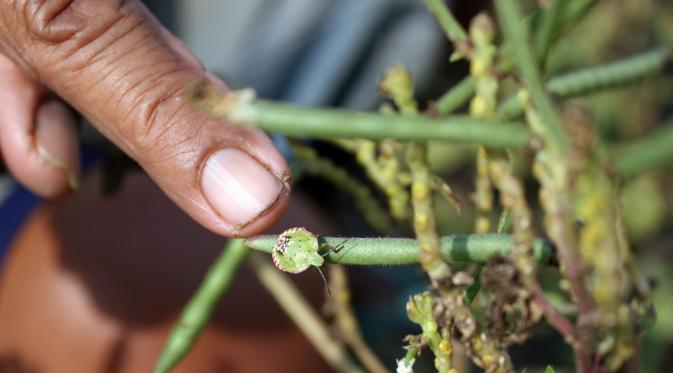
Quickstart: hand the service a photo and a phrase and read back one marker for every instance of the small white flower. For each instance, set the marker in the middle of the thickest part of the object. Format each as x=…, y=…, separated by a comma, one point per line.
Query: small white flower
x=402, y=367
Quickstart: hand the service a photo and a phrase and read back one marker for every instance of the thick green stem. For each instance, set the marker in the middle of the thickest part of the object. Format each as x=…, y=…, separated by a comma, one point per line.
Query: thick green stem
x=548, y=26
x=454, y=31
x=457, y=96
x=609, y=75
x=572, y=13
x=199, y=309
x=653, y=151
x=504, y=224
x=330, y=124
x=517, y=34
x=402, y=251
x=595, y=78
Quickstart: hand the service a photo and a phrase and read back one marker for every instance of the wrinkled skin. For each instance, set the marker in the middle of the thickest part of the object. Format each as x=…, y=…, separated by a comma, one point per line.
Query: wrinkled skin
x=114, y=63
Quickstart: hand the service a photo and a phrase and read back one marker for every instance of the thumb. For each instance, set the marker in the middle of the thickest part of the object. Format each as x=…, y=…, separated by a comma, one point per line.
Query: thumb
x=112, y=61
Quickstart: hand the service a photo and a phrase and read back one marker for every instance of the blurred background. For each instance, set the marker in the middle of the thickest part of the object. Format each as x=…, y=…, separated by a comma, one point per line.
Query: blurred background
x=93, y=282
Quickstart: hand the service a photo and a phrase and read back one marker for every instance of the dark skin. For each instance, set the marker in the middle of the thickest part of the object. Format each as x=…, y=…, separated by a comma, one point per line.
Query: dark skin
x=103, y=298
x=114, y=63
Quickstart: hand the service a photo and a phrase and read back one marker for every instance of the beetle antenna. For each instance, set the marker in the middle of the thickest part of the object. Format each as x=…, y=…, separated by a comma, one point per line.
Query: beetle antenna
x=324, y=281
x=333, y=249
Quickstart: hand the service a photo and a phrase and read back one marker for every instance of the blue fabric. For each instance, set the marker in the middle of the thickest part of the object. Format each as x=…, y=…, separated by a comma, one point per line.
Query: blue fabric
x=13, y=212
x=20, y=202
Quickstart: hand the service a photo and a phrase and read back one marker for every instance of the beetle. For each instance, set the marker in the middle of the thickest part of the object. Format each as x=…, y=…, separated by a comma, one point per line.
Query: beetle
x=297, y=249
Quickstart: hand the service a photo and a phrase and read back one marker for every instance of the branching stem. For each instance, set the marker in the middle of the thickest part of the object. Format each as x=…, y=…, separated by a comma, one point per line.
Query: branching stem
x=596, y=78
x=516, y=32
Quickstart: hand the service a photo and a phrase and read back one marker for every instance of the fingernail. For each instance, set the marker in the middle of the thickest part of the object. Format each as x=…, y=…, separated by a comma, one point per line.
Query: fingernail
x=237, y=186
x=56, y=140
x=71, y=176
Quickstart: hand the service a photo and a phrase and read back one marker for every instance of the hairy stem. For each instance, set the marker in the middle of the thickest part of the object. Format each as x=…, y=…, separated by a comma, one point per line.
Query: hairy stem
x=504, y=223
x=403, y=251
x=199, y=309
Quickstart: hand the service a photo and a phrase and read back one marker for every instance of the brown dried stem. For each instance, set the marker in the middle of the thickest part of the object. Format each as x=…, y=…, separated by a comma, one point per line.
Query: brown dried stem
x=346, y=322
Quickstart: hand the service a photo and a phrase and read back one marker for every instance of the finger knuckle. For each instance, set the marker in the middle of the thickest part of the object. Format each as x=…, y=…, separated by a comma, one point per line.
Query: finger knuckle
x=57, y=21
x=157, y=121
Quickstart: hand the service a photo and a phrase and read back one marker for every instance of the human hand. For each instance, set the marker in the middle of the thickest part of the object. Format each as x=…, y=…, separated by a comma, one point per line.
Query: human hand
x=114, y=63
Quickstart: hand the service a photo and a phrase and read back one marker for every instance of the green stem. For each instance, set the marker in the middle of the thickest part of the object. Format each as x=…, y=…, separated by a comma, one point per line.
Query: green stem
x=515, y=31
x=595, y=78
x=572, y=13
x=454, y=31
x=199, y=309
x=410, y=356
x=402, y=251
x=456, y=97
x=302, y=314
x=330, y=124
x=653, y=151
x=548, y=25
x=610, y=75
x=504, y=224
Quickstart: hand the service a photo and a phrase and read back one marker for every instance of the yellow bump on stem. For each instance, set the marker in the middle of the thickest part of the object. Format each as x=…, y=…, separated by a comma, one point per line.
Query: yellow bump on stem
x=419, y=191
